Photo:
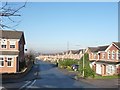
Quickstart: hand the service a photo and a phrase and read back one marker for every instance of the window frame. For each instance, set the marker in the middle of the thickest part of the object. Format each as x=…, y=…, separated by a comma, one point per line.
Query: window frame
x=103, y=55
x=3, y=45
x=12, y=62
x=2, y=61
x=109, y=54
x=12, y=47
x=12, y=43
x=95, y=56
x=118, y=55
x=113, y=54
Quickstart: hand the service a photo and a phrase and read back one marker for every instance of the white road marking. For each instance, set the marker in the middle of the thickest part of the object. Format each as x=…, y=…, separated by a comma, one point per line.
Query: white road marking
x=31, y=84
x=25, y=85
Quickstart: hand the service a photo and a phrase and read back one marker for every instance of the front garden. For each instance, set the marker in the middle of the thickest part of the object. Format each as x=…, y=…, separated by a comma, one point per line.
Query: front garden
x=88, y=72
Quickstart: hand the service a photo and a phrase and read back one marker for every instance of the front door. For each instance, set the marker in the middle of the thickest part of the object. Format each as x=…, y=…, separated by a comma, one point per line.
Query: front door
x=103, y=69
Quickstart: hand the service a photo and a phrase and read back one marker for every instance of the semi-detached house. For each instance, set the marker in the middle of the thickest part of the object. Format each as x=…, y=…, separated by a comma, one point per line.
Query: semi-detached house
x=105, y=60
x=11, y=50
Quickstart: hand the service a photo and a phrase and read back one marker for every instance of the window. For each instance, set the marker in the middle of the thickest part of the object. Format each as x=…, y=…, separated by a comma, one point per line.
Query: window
x=10, y=62
x=3, y=43
x=118, y=55
x=1, y=62
x=110, y=69
x=109, y=54
x=12, y=46
x=3, y=46
x=103, y=55
x=94, y=56
x=113, y=54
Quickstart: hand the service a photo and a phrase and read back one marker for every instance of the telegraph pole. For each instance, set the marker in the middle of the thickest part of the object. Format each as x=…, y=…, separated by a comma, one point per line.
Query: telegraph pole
x=83, y=63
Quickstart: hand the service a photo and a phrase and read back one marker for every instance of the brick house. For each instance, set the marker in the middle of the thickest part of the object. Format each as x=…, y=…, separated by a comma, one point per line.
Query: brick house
x=11, y=50
x=74, y=54
x=105, y=60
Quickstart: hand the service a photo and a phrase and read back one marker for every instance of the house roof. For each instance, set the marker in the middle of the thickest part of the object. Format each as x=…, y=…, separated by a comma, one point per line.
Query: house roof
x=93, y=49
x=99, y=48
x=102, y=48
x=10, y=34
x=9, y=53
x=117, y=43
x=74, y=51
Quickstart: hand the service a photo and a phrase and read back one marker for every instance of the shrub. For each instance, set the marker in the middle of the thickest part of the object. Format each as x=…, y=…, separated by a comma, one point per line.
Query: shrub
x=88, y=72
x=67, y=63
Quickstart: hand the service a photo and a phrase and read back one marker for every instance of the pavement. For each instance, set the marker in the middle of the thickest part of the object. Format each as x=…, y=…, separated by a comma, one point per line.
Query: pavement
x=100, y=83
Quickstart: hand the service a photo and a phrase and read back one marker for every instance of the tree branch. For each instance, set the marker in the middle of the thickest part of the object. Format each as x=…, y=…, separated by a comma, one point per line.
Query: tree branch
x=8, y=11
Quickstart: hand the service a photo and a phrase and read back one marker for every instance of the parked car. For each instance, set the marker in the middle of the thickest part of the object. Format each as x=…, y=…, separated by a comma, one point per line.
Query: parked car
x=75, y=67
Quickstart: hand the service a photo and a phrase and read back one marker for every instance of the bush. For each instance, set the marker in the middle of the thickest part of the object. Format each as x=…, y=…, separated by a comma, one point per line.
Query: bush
x=88, y=72
x=67, y=63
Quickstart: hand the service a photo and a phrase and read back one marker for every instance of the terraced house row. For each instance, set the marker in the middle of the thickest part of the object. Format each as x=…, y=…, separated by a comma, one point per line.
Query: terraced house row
x=71, y=54
x=104, y=60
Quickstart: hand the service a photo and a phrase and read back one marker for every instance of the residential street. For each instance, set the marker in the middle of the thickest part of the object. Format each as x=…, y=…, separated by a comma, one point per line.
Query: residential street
x=46, y=75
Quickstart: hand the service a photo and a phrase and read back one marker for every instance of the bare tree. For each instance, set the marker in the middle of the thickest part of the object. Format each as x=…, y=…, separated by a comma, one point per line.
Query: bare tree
x=8, y=11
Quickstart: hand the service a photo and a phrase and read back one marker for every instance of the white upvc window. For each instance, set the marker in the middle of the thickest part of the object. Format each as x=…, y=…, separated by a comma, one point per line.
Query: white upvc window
x=109, y=54
x=94, y=56
x=9, y=62
x=113, y=54
x=1, y=62
x=12, y=44
x=103, y=55
x=118, y=55
x=3, y=46
x=110, y=69
x=3, y=43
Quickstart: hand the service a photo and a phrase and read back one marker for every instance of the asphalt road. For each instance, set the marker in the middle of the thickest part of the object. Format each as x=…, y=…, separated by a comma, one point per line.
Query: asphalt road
x=46, y=75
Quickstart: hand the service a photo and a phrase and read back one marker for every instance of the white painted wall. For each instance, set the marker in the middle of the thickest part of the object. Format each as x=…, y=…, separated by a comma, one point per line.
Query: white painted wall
x=90, y=64
x=98, y=68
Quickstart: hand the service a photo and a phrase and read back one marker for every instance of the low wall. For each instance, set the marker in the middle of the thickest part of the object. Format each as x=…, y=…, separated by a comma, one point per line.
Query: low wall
x=18, y=74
